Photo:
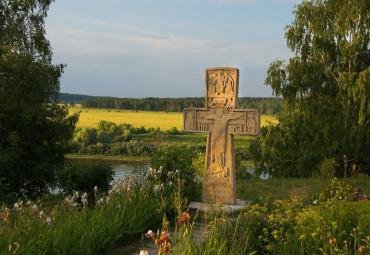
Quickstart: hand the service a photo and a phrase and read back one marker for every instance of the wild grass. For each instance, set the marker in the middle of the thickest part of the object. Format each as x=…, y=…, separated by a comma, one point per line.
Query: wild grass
x=77, y=227
x=90, y=117
x=280, y=188
x=331, y=224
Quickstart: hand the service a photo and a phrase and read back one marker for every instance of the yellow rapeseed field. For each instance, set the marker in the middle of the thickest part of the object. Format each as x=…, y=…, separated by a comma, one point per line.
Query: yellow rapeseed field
x=90, y=117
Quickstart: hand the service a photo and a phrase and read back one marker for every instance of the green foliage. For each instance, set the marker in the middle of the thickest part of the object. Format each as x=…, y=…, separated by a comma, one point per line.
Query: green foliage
x=327, y=168
x=72, y=227
x=85, y=136
x=326, y=93
x=34, y=131
x=83, y=177
x=337, y=190
x=181, y=159
x=199, y=163
x=173, y=131
x=286, y=227
x=267, y=105
x=109, y=127
x=103, y=137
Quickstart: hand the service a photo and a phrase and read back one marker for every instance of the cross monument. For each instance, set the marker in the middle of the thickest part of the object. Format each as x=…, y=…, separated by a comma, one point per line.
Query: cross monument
x=221, y=120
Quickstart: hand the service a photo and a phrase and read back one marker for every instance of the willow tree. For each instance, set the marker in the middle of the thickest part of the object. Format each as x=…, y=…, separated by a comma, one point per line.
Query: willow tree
x=326, y=90
x=34, y=130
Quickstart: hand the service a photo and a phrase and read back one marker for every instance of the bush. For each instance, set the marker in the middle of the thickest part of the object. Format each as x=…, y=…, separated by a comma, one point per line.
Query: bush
x=83, y=177
x=175, y=158
x=85, y=136
x=327, y=168
x=173, y=131
x=109, y=127
x=103, y=137
x=135, y=148
x=124, y=137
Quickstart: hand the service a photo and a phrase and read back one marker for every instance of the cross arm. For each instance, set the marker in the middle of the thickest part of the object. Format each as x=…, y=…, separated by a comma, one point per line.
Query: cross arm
x=248, y=122
x=194, y=120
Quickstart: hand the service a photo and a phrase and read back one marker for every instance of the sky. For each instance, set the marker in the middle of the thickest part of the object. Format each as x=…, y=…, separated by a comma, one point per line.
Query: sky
x=161, y=48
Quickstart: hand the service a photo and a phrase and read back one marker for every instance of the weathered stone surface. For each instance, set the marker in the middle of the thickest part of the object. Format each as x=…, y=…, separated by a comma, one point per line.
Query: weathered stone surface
x=221, y=120
x=197, y=206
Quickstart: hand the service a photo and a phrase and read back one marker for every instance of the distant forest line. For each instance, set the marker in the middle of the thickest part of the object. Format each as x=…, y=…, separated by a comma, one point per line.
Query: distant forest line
x=268, y=105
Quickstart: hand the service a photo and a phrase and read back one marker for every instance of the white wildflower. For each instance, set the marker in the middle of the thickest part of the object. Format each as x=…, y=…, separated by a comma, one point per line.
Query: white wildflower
x=28, y=202
x=41, y=213
x=34, y=207
x=143, y=252
x=156, y=188
x=48, y=220
x=18, y=205
x=170, y=183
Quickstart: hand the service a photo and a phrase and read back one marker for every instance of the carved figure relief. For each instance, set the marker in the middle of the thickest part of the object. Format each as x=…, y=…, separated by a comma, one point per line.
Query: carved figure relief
x=218, y=134
x=221, y=120
x=221, y=87
x=189, y=124
x=252, y=122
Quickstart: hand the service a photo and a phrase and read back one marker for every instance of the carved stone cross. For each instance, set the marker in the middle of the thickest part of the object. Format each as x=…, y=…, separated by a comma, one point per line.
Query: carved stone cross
x=221, y=120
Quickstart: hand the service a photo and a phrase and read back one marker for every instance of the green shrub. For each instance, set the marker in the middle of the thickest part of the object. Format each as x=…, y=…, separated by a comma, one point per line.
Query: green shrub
x=85, y=136
x=337, y=189
x=109, y=127
x=103, y=137
x=173, y=131
x=136, y=148
x=327, y=168
x=181, y=159
x=84, y=176
x=123, y=137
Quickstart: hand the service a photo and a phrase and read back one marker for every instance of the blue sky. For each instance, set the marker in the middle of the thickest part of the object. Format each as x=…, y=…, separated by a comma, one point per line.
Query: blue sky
x=161, y=48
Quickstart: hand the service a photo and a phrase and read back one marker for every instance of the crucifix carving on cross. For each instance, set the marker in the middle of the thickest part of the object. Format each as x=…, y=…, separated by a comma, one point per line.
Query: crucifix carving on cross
x=221, y=120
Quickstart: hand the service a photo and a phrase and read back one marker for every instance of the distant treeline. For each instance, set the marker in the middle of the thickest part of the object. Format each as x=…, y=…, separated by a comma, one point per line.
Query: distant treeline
x=267, y=105
x=75, y=98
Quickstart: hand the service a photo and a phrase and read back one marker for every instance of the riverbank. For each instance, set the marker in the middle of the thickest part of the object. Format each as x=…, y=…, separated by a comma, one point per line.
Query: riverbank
x=106, y=157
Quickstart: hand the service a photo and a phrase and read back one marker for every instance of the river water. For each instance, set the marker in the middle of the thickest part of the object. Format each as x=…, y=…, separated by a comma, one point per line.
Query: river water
x=121, y=168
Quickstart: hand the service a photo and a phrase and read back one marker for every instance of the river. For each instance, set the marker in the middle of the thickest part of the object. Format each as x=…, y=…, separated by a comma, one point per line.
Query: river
x=121, y=168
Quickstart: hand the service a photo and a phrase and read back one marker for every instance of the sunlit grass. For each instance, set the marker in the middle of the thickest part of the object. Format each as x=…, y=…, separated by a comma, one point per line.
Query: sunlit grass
x=90, y=117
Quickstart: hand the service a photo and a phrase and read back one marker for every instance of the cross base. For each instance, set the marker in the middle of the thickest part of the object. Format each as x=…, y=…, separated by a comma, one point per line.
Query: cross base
x=218, y=188
x=202, y=207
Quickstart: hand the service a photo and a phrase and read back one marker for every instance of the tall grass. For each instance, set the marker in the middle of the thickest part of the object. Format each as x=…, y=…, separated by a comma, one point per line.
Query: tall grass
x=333, y=224
x=75, y=227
